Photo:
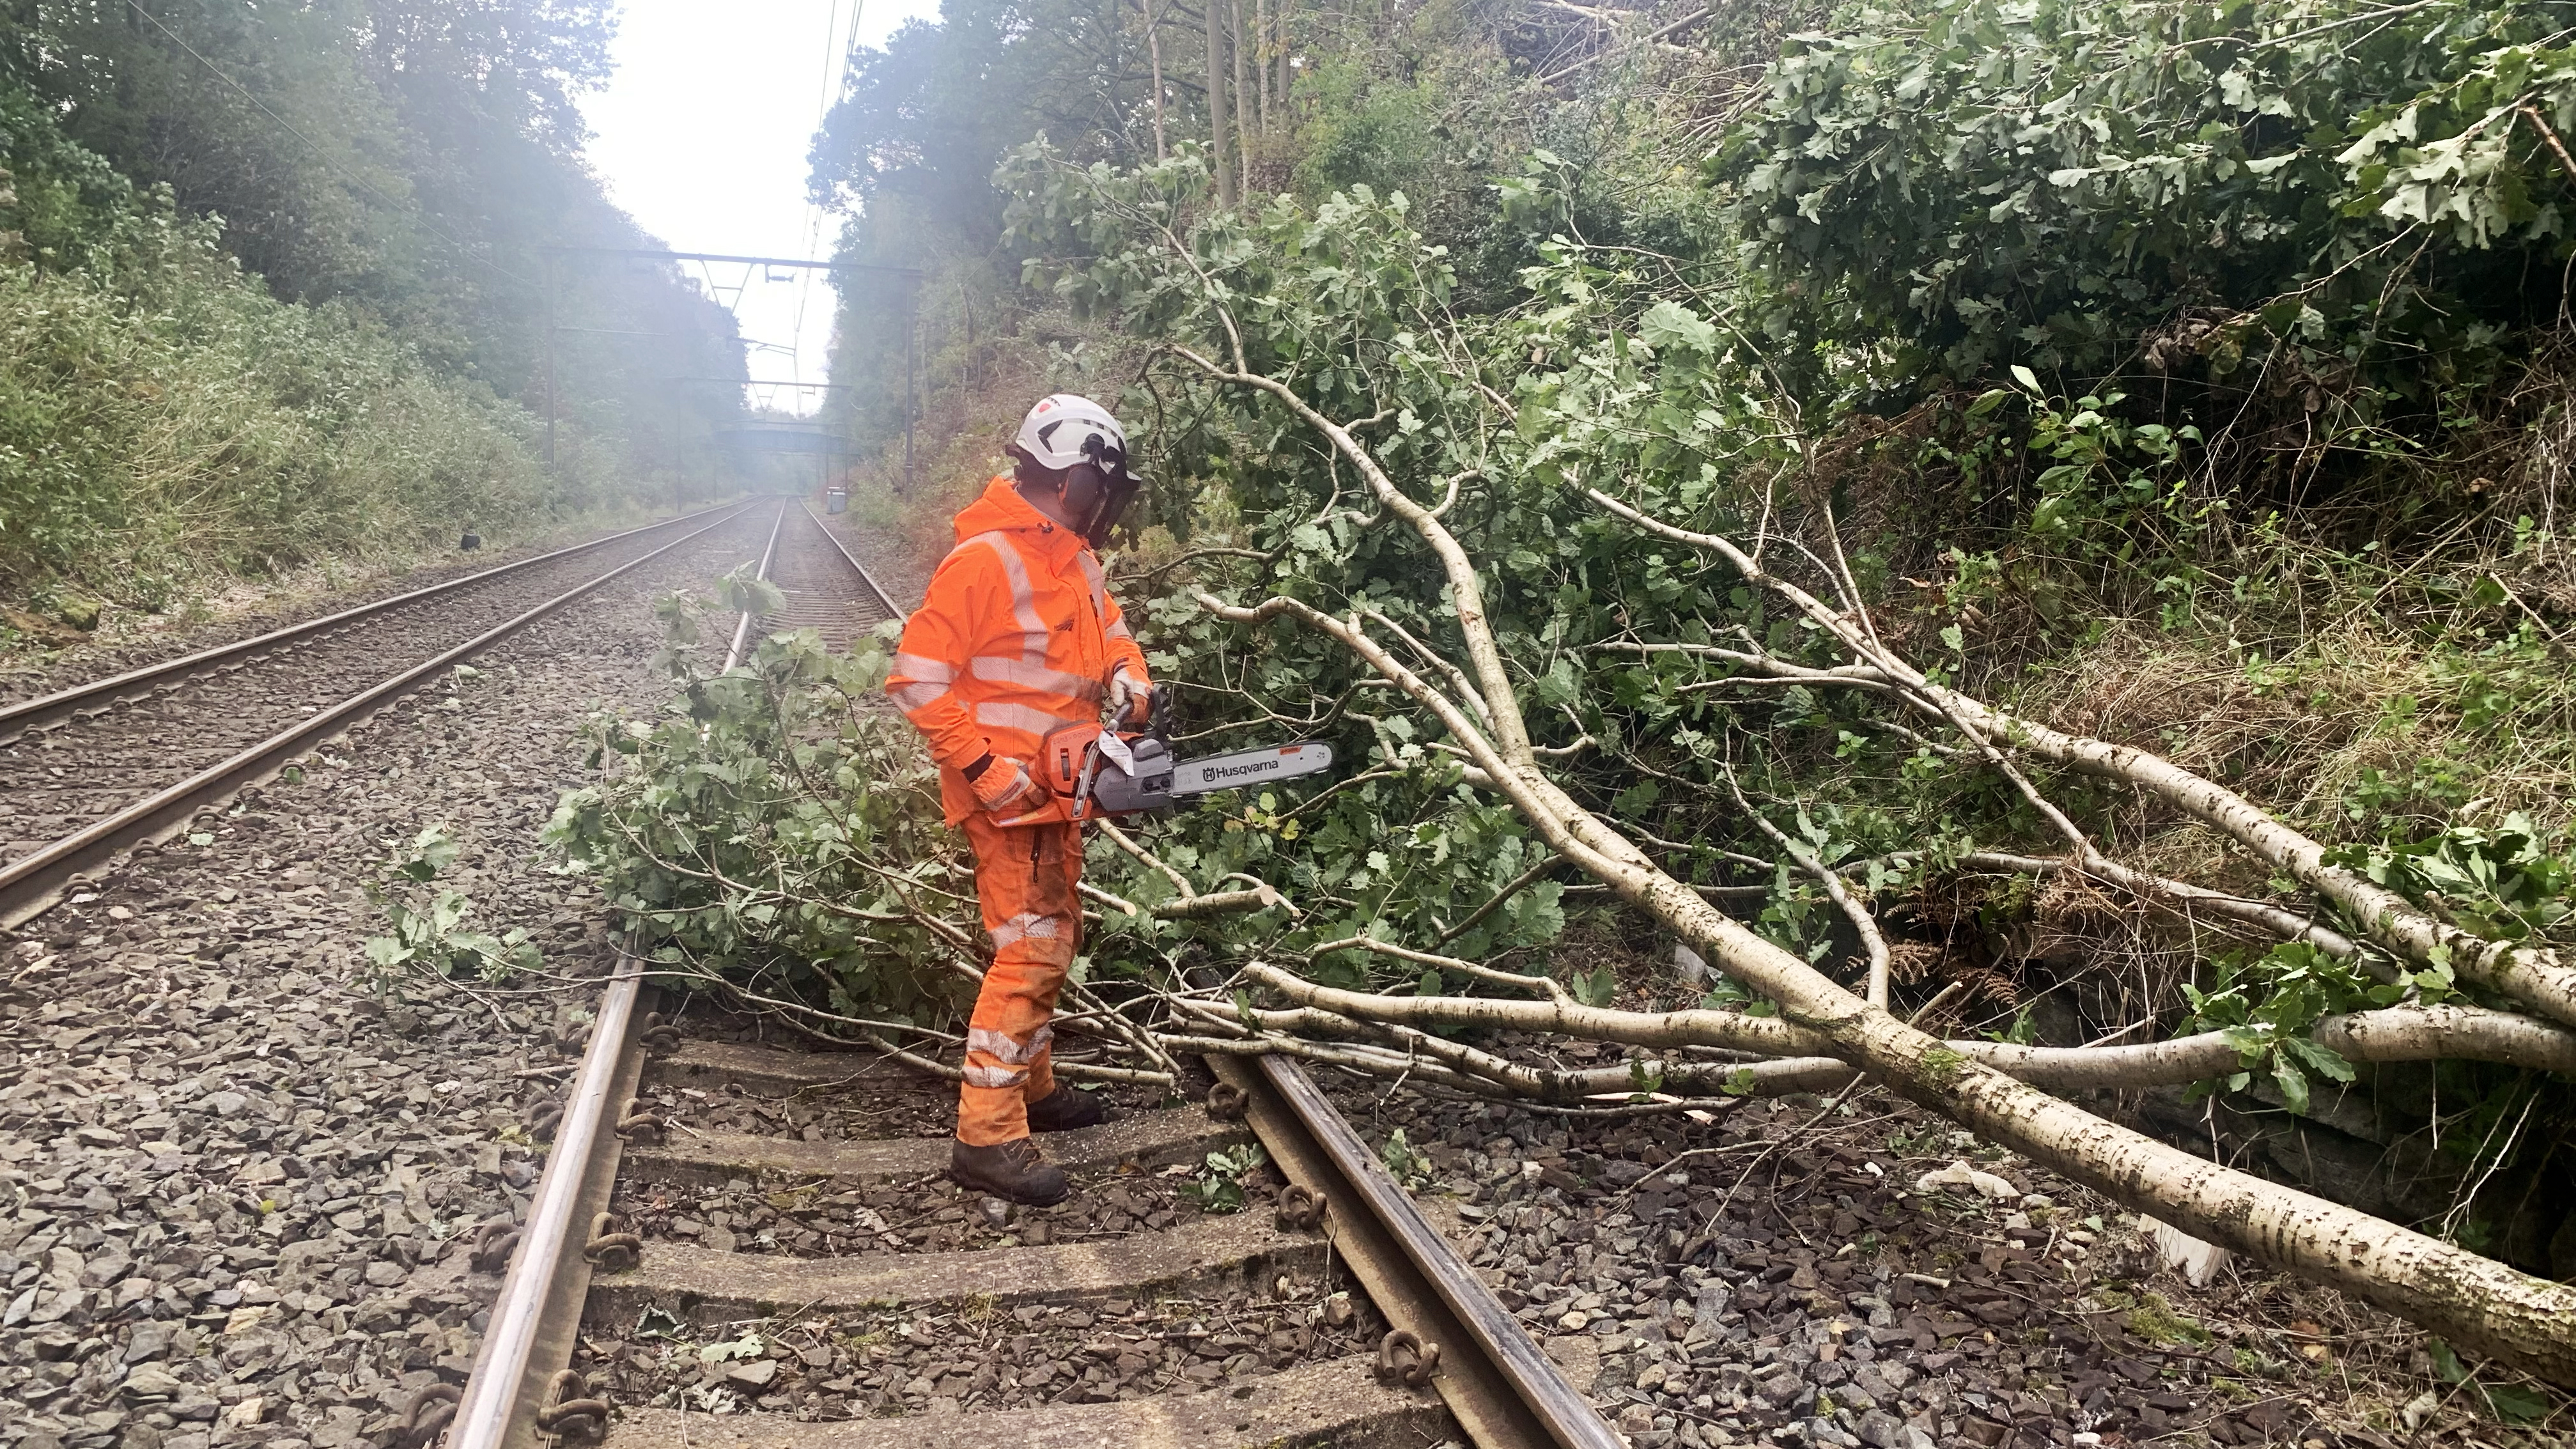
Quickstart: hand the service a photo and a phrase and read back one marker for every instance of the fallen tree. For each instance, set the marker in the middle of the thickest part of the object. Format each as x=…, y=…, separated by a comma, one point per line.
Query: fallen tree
x=2469, y=1298
x=746, y=748
x=1222, y=292
x=2538, y=977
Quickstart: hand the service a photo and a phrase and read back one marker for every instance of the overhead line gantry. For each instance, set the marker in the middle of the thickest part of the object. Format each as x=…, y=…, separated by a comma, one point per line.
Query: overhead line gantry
x=911, y=275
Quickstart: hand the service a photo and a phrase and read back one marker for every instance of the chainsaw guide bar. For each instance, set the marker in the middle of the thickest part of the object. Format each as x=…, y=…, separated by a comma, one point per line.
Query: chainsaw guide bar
x=1250, y=767
x=1090, y=772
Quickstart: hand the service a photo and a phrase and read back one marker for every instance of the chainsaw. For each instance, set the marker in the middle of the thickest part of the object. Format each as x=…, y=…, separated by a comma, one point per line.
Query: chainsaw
x=1095, y=770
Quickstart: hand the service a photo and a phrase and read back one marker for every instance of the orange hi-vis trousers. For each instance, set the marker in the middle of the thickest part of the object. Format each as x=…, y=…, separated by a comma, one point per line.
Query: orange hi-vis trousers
x=1024, y=877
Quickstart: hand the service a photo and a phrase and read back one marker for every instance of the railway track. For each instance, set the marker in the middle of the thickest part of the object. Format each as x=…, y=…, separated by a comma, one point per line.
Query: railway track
x=815, y=571
x=91, y=771
x=740, y=1246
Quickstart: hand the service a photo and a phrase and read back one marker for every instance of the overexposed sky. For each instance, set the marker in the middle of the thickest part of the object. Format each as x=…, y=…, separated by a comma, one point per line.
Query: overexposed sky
x=702, y=135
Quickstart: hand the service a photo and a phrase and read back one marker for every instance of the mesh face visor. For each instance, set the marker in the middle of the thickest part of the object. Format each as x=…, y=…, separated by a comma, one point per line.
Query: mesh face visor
x=1117, y=487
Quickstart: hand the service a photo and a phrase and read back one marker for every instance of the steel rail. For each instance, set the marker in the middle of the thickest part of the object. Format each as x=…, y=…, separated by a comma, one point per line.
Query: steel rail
x=27, y=885
x=500, y=1393
x=768, y=554
x=893, y=609
x=30, y=713
x=1504, y=1391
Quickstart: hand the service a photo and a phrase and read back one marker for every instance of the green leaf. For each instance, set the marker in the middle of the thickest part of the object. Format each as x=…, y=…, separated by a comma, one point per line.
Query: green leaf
x=2325, y=1061
x=660, y=1323
x=1402, y=1163
x=1670, y=324
x=2515, y=1404
x=1598, y=987
x=2293, y=1084
x=2026, y=378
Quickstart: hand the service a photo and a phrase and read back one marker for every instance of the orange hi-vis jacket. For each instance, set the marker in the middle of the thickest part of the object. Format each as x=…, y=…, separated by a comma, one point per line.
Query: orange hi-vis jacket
x=1017, y=635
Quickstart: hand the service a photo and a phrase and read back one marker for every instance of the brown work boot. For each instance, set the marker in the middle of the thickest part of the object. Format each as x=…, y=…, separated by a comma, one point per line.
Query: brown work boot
x=1010, y=1169
x=1064, y=1109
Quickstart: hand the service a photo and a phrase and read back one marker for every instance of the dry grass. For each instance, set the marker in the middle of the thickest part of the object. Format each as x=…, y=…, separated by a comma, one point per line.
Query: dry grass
x=2299, y=735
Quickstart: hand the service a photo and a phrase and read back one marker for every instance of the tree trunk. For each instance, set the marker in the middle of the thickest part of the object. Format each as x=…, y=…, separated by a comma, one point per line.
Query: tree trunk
x=1216, y=103
x=1242, y=106
x=1261, y=58
x=2391, y=1034
x=1280, y=22
x=1154, y=58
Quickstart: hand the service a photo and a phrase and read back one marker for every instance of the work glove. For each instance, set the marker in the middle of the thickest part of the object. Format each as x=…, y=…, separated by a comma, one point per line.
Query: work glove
x=1003, y=787
x=1131, y=697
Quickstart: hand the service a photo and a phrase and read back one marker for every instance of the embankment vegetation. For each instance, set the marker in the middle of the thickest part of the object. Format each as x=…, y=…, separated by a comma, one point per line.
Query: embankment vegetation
x=272, y=291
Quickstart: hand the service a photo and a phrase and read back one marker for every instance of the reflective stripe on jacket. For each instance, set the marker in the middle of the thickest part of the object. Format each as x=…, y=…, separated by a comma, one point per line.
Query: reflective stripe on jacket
x=1017, y=635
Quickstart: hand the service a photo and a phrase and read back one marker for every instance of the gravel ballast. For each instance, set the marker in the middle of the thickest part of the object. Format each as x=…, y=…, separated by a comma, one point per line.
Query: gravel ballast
x=58, y=777
x=239, y=1186
x=909, y=1360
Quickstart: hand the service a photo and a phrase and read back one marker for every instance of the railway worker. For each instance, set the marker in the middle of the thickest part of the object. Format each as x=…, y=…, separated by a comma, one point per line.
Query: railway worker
x=1017, y=635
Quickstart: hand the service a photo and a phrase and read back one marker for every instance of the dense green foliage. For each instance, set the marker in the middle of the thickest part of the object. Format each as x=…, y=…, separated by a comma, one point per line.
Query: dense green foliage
x=782, y=773
x=273, y=289
x=1980, y=180
x=2254, y=197
x=1416, y=96
x=171, y=415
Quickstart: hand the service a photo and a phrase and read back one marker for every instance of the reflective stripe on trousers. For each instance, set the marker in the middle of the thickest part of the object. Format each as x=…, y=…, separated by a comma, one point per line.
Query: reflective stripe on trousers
x=1024, y=878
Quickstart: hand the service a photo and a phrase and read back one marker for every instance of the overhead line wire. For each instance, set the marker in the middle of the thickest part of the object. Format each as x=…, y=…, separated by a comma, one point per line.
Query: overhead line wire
x=419, y=215
x=836, y=71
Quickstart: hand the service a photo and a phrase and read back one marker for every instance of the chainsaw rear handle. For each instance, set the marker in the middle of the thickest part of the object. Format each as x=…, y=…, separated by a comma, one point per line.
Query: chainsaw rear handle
x=1058, y=770
x=1074, y=759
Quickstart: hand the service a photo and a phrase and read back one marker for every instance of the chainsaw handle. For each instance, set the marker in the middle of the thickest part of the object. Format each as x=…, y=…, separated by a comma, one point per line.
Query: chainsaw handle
x=1154, y=710
x=1158, y=713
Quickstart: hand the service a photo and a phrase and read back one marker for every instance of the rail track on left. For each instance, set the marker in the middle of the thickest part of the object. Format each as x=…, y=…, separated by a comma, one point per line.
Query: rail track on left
x=235, y=1160
x=98, y=768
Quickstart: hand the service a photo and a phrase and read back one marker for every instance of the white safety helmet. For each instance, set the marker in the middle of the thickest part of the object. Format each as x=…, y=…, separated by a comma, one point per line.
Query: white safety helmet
x=1064, y=433
x=1060, y=432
